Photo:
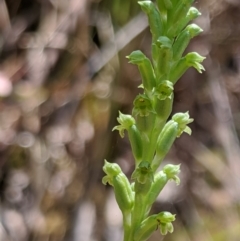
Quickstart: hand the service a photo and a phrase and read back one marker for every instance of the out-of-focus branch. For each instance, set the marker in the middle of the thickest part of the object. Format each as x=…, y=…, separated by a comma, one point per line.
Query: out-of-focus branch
x=122, y=38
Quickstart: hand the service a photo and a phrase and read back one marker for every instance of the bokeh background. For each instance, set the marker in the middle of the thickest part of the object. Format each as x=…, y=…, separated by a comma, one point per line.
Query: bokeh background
x=63, y=78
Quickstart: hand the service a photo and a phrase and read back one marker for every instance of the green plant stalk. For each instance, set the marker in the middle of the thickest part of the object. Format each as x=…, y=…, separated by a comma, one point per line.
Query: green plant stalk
x=127, y=226
x=150, y=132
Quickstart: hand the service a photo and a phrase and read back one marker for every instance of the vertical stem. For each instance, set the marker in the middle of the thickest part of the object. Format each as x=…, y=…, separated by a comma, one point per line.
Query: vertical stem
x=127, y=226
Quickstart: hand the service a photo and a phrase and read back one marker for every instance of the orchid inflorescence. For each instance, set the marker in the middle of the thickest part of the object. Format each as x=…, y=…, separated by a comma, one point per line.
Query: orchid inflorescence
x=151, y=133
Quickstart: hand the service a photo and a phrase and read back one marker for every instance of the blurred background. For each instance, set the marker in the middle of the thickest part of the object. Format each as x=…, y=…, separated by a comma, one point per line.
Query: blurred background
x=63, y=78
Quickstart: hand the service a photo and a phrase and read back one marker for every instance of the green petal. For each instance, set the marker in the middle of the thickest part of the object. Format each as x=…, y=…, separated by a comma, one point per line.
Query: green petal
x=188, y=130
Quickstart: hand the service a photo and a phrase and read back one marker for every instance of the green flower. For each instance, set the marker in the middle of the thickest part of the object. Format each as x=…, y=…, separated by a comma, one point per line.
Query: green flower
x=122, y=188
x=183, y=119
x=193, y=30
x=125, y=121
x=193, y=60
x=172, y=171
x=164, y=90
x=145, y=68
x=181, y=66
x=165, y=222
x=142, y=105
x=111, y=170
x=143, y=173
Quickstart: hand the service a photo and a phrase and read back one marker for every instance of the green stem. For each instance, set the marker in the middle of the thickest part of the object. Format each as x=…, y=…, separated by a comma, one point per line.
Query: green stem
x=127, y=227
